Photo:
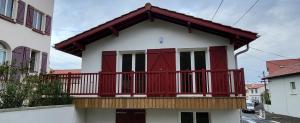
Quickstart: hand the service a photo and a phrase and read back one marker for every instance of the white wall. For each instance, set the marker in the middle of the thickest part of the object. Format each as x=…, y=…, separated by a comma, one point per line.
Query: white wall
x=146, y=35
x=52, y=114
x=283, y=101
x=15, y=35
x=163, y=116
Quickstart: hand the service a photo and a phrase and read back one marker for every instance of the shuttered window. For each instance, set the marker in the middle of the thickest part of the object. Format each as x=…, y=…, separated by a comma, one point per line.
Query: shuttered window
x=44, y=63
x=48, y=25
x=29, y=18
x=37, y=20
x=21, y=12
x=108, y=81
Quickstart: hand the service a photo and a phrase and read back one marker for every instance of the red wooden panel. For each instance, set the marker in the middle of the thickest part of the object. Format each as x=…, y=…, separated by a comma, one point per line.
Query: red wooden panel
x=107, y=86
x=130, y=116
x=161, y=67
x=21, y=12
x=29, y=18
x=219, y=75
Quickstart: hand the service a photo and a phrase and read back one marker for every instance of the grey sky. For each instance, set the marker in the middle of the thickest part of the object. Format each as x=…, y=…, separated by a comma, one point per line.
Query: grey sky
x=277, y=21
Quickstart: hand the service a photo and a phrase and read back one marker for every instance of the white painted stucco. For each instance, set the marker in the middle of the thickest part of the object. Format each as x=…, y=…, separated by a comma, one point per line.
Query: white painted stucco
x=52, y=114
x=163, y=116
x=254, y=96
x=147, y=35
x=14, y=35
x=284, y=100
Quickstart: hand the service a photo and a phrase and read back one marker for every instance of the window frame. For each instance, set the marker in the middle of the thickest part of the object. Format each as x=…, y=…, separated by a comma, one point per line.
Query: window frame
x=6, y=9
x=37, y=60
x=38, y=16
x=192, y=60
x=194, y=115
x=5, y=51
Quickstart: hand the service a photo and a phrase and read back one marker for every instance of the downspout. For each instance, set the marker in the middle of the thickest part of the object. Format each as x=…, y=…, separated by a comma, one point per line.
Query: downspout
x=236, y=55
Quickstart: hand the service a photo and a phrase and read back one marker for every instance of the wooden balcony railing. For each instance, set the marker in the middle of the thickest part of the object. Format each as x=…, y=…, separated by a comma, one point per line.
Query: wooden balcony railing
x=154, y=84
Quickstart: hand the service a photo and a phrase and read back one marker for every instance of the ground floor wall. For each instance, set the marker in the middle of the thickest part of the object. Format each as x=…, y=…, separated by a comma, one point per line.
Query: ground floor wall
x=48, y=114
x=163, y=116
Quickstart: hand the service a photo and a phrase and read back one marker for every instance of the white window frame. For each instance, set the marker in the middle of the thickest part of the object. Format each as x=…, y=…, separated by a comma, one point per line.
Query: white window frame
x=293, y=90
x=194, y=116
x=6, y=9
x=119, y=68
x=4, y=50
x=37, y=63
x=192, y=52
x=36, y=15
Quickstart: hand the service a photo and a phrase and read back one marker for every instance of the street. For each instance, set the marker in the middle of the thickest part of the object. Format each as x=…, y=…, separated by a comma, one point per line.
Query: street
x=252, y=118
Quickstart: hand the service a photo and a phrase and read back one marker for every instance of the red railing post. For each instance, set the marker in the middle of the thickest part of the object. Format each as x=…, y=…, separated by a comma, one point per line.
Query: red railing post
x=99, y=83
x=243, y=82
x=69, y=83
x=203, y=81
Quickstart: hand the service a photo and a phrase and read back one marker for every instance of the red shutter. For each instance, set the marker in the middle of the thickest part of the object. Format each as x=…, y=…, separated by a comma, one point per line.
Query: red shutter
x=29, y=17
x=48, y=25
x=20, y=59
x=219, y=67
x=107, y=85
x=21, y=12
x=44, y=63
x=161, y=67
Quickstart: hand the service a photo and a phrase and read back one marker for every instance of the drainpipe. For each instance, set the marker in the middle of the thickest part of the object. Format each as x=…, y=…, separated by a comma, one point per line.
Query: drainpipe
x=236, y=55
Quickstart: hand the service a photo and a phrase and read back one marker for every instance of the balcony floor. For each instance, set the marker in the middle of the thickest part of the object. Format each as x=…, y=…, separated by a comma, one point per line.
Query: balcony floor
x=204, y=103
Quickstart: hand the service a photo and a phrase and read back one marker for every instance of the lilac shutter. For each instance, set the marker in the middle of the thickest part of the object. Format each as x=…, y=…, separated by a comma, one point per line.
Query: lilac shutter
x=21, y=12
x=48, y=25
x=44, y=63
x=20, y=59
x=29, y=17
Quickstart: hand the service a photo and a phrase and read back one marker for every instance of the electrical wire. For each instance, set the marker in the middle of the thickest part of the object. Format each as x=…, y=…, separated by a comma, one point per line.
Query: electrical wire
x=217, y=10
x=245, y=13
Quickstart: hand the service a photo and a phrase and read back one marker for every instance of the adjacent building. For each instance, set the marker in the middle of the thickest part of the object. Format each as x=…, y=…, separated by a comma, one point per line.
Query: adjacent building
x=26, y=33
x=283, y=84
x=154, y=65
x=254, y=91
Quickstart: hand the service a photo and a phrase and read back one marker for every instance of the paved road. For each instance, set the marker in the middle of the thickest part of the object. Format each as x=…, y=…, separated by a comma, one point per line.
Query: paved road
x=252, y=118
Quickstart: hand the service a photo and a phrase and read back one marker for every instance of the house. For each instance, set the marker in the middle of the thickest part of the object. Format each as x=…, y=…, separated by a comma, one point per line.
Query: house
x=26, y=33
x=65, y=71
x=154, y=65
x=284, y=83
x=254, y=91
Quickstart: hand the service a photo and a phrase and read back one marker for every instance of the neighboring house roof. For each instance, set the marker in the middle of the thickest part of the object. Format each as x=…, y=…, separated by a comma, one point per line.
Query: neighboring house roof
x=65, y=71
x=75, y=45
x=277, y=68
x=254, y=85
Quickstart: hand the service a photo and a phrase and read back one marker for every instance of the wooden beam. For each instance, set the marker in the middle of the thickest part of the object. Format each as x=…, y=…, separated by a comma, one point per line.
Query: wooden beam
x=114, y=31
x=150, y=16
x=189, y=27
x=79, y=46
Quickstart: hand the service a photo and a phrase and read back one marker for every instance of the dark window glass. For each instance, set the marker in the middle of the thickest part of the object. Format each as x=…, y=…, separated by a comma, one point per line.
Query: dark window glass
x=140, y=77
x=199, y=60
x=202, y=117
x=140, y=62
x=185, y=61
x=186, y=76
x=126, y=77
x=32, y=61
x=6, y=7
x=186, y=117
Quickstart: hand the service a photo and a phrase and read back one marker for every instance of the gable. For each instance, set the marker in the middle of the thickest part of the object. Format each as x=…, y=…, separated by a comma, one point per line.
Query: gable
x=75, y=45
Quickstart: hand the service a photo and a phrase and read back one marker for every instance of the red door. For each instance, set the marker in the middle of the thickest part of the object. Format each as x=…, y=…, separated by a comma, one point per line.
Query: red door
x=107, y=86
x=219, y=79
x=130, y=116
x=161, y=67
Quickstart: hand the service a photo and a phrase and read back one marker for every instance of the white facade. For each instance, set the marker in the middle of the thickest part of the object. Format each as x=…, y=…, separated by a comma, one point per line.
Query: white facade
x=284, y=98
x=254, y=94
x=14, y=35
x=163, y=116
x=153, y=35
x=50, y=114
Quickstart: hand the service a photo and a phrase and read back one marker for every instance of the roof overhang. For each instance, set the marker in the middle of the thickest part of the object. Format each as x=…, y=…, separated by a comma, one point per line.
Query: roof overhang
x=75, y=45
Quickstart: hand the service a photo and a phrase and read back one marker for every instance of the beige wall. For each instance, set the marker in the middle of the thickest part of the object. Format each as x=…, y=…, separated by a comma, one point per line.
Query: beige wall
x=14, y=35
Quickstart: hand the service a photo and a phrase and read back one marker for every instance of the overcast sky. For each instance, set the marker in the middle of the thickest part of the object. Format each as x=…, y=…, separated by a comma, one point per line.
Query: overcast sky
x=277, y=21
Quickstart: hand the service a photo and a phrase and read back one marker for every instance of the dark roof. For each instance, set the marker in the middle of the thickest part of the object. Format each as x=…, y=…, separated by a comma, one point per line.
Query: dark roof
x=277, y=68
x=76, y=44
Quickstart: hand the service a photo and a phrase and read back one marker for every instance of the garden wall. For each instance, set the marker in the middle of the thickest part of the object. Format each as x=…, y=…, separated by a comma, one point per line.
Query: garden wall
x=44, y=114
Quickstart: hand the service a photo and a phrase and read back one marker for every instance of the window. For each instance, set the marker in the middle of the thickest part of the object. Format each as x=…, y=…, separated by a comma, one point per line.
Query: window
x=194, y=117
x=252, y=91
x=33, y=64
x=133, y=62
x=191, y=60
x=6, y=7
x=37, y=20
x=3, y=53
x=256, y=91
x=293, y=85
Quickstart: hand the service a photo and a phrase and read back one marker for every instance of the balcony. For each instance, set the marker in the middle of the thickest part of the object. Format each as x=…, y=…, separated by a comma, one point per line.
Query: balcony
x=161, y=89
